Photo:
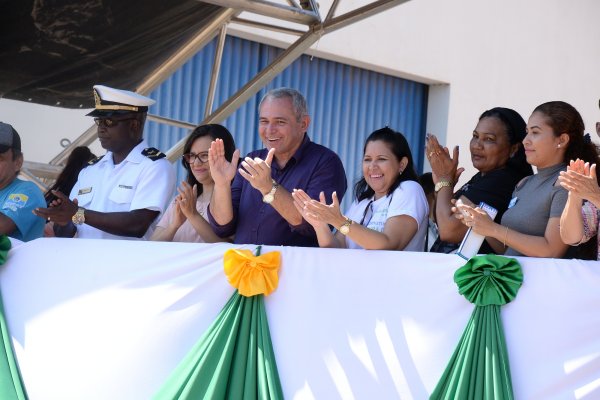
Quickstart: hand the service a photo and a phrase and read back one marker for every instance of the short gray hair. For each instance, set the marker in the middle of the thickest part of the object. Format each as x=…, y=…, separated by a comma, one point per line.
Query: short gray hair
x=298, y=100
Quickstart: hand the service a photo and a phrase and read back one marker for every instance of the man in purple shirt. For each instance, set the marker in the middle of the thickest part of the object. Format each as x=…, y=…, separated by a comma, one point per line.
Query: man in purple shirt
x=257, y=207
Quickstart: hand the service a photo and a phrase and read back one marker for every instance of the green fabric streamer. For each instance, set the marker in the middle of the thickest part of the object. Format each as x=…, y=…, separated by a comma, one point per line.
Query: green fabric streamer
x=479, y=368
x=11, y=385
x=234, y=358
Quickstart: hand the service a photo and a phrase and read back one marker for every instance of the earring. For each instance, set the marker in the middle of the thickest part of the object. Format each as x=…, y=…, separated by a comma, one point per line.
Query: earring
x=558, y=146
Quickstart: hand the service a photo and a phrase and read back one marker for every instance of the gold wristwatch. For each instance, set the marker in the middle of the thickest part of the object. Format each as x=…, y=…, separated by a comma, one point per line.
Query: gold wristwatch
x=269, y=197
x=441, y=184
x=345, y=228
x=79, y=217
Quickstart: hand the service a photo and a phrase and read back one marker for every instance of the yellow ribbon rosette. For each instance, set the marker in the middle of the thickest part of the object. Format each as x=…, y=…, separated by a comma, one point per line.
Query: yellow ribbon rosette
x=251, y=274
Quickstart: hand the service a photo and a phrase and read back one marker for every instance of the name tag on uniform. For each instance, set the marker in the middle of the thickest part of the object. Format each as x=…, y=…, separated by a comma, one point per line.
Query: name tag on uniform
x=125, y=187
x=84, y=191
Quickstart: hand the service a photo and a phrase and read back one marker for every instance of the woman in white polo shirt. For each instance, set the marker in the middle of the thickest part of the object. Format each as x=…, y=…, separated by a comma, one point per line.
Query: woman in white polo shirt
x=390, y=209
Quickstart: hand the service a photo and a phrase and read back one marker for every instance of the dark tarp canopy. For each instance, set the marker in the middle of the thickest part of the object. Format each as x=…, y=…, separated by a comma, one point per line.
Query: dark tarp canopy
x=53, y=51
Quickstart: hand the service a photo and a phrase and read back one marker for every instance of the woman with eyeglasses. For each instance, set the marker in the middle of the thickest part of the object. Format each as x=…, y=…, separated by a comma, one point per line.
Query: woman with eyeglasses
x=390, y=209
x=185, y=219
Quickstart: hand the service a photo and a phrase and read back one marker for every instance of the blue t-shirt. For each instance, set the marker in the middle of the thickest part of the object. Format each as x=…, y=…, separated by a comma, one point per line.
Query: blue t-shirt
x=17, y=201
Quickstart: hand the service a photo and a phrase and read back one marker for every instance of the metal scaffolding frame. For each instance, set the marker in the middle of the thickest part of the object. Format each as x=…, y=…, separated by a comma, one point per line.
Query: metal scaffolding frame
x=305, y=13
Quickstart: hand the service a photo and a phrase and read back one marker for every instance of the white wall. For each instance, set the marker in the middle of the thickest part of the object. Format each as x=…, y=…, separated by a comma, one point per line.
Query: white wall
x=477, y=54
x=510, y=53
x=42, y=127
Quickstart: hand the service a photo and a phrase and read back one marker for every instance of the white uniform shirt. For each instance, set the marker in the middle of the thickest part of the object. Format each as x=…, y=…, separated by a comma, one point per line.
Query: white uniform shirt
x=408, y=199
x=135, y=183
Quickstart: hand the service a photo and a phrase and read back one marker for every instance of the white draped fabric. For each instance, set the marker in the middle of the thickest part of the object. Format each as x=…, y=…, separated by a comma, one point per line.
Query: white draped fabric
x=102, y=319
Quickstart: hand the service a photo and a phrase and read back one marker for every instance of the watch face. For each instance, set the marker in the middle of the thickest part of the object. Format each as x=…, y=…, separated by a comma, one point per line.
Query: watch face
x=344, y=229
x=268, y=198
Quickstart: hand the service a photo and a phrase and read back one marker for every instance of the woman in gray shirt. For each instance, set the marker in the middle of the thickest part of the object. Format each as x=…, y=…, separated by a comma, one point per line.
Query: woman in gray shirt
x=530, y=226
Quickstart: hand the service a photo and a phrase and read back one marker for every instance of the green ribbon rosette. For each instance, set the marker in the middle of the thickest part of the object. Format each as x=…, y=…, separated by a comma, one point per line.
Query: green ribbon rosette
x=479, y=368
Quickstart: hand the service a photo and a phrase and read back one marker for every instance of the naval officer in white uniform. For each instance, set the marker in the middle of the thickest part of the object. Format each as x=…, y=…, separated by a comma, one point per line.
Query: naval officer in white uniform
x=121, y=194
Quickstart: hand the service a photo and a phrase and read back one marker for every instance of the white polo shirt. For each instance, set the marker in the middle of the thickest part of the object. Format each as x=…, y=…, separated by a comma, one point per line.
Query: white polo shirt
x=408, y=199
x=136, y=183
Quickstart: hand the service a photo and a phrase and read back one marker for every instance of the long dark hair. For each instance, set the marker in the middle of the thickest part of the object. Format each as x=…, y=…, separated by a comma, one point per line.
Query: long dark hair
x=399, y=146
x=215, y=131
x=564, y=118
x=516, y=129
x=78, y=159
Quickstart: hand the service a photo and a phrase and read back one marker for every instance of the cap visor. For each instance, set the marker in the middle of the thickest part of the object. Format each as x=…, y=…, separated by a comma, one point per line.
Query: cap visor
x=108, y=113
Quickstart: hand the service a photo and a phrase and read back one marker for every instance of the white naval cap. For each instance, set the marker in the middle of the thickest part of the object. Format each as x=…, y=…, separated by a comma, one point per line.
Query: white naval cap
x=110, y=101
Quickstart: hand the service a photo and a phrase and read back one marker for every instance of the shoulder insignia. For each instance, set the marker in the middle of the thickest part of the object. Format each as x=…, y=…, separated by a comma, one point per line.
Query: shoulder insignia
x=153, y=153
x=95, y=160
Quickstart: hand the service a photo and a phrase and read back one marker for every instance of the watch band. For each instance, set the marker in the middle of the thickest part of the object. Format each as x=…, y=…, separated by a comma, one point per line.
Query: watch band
x=79, y=217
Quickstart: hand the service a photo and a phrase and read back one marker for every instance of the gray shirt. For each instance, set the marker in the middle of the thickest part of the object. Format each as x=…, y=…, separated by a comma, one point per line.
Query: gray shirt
x=534, y=202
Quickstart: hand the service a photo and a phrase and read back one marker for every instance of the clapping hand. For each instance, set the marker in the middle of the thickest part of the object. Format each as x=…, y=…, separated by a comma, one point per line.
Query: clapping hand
x=186, y=199
x=318, y=212
x=258, y=172
x=580, y=179
x=473, y=217
x=221, y=170
x=61, y=209
x=443, y=167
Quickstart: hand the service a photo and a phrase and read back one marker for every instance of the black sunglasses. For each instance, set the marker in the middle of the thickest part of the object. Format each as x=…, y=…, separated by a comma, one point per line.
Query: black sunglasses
x=109, y=122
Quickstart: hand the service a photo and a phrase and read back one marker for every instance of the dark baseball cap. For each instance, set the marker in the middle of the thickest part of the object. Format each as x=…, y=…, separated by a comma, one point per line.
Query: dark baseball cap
x=9, y=138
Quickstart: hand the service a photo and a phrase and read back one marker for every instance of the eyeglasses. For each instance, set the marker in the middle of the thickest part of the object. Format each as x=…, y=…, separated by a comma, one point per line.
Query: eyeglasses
x=191, y=157
x=368, y=214
x=109, y=122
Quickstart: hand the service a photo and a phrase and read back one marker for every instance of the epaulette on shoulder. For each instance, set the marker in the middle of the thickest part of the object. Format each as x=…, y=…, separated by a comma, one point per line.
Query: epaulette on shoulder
x=95, y=160
x=153, y=154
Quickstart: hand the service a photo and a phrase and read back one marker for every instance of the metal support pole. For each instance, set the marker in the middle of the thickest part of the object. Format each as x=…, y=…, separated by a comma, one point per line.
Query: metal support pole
x=214, y=76
x=169, y=121
x=359, y=14
x=332, y=10
x=269, y=9
x=257, y=83
x=262, y=25
x=188, y=50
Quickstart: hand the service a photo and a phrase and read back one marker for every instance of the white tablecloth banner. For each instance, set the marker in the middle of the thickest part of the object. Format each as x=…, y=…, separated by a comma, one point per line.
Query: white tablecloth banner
x=101, y=319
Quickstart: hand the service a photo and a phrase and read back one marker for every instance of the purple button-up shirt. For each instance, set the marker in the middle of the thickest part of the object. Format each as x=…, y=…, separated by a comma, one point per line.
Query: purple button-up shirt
x=313, y=168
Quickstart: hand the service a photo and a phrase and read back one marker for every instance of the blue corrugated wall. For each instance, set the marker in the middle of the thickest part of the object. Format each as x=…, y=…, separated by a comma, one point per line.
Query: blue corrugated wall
x=346, y=103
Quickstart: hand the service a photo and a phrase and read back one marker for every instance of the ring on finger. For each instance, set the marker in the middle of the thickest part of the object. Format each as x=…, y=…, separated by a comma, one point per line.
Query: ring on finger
x=431, y=153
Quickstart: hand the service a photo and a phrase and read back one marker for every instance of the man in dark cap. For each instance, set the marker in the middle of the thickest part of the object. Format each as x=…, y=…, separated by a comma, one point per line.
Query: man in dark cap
x=121, y=194
x=17, y=197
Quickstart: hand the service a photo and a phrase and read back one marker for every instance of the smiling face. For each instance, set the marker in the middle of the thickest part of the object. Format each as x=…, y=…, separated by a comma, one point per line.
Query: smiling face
x=200, y=170
x=490, y=145
x=541, y=144
x=380, y=167
x=280, y=129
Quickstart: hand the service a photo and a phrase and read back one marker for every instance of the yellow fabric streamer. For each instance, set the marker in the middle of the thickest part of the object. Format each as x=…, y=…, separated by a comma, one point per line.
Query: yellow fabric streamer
x=251, y=274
